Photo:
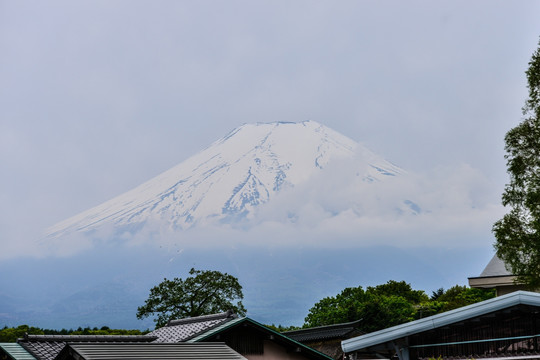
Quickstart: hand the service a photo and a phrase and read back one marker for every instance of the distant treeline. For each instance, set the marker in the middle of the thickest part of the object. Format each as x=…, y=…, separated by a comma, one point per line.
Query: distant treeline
x=11, y=334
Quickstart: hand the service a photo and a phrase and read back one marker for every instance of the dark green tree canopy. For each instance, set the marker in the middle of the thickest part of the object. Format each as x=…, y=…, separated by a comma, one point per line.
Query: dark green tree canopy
x=458, y=296
x=389, y=304
x=203, y=293
x=379, y=307
x=518, y=232
x=399, y=288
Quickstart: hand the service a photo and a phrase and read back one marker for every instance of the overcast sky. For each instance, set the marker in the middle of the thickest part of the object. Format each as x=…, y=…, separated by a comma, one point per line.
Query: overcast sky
x=97, y=97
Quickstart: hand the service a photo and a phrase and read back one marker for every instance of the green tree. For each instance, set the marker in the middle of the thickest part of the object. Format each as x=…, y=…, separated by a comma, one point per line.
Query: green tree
x=436, y=294
x=385, y=311
x=400, y=288
x=379, y=307
x=344, y=307
x=389, y=304
x=458, y=296
x=518, y=232
x=12, y=334
x=281, y=328
x=203, y=293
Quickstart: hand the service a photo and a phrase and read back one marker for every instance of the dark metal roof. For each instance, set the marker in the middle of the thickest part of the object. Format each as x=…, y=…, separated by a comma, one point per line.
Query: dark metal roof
x=47, y=347
x=16, y=351
x=336, y=331
x=153, y=351
x=185, y=329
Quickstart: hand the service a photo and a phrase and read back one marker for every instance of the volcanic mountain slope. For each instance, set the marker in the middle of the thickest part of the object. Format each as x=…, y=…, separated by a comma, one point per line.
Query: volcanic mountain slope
x=228, y=180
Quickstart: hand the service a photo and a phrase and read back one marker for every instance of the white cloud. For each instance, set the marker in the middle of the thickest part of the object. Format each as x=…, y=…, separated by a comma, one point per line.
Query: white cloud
x=446, y=208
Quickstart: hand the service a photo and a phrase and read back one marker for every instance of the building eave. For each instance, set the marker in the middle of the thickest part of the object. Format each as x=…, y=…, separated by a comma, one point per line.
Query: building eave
x=492, y=281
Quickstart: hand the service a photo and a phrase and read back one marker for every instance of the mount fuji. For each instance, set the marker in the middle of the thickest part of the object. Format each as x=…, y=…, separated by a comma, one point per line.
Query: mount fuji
x=229, y=180
x=296, y=211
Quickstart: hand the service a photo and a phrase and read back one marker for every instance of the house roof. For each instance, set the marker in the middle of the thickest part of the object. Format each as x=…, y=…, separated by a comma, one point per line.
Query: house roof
x=185, y=329
x=16, y=351
x=440, y=320
x=148, y=351
x=495, y=267
x=328, y=332
x=274, y=335
x=47, y=347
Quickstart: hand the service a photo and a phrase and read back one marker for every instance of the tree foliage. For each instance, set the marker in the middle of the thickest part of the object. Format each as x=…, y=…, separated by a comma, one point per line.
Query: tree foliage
x=203, y=293
x=458, y=296
x=389, y=304
x=518, y=232
x=281, y=328
x=453, y=298
x=14, y=333
x=378, y=307
x=399, y=288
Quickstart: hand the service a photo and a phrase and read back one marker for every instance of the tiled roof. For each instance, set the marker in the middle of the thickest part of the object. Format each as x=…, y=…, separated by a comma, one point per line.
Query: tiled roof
x=16, y=351
x=141, y=351
x=46, y=350
x=337, y=331
x=47, y=347
x=185, y=329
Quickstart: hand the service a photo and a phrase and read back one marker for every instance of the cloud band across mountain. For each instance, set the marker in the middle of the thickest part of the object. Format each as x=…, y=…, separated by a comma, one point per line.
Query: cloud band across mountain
x=291, y=183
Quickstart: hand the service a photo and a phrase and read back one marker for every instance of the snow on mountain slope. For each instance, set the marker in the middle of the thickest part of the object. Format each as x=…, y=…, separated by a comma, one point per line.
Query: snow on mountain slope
x=229, y=179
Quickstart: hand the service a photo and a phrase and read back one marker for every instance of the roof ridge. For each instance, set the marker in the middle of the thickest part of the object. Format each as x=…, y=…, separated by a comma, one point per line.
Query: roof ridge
x=326, y=327
x=89, y=338
x=189, y=320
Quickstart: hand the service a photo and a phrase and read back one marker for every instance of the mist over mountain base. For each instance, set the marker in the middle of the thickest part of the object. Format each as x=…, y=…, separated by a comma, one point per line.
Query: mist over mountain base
x=104, y=285
x=296, y=211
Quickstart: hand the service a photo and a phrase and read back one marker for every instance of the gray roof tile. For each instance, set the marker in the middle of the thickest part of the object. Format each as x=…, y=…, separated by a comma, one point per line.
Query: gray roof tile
x=46, y=350
x=185, y=329
x=142, y=351
x=47, y=347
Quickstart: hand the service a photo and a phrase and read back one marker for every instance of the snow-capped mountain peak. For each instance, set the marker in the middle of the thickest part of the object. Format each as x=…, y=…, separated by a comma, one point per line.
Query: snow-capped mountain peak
x=229, y=179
